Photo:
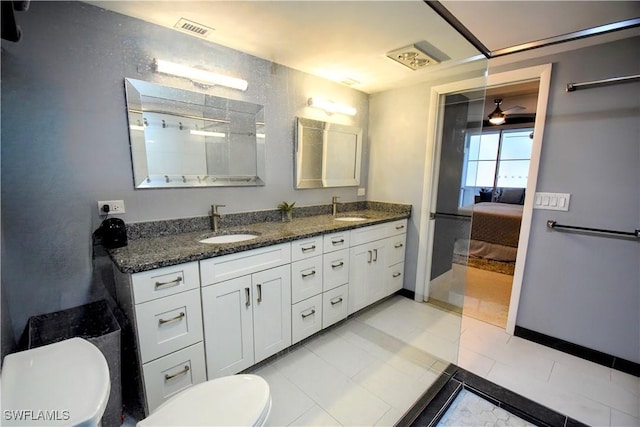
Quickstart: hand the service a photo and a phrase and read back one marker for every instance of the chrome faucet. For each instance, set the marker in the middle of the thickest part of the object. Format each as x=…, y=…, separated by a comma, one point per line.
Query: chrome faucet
x=334, y=203
x=215, y=217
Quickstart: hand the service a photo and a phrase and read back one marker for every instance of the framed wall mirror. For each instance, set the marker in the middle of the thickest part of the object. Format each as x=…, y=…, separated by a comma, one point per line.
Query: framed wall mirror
x=181, y=138
x=327, y=154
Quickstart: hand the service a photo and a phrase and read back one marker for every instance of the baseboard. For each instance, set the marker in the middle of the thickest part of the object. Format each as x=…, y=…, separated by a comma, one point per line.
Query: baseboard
x=586, y=353
x=406, y=293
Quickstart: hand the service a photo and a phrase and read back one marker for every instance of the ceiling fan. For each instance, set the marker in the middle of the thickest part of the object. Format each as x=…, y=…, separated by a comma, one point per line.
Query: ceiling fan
x=499, y=116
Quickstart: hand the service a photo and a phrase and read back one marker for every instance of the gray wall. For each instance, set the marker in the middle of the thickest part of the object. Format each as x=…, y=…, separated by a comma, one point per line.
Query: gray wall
x=65, y=144
x=582, y=289
x=586, y=289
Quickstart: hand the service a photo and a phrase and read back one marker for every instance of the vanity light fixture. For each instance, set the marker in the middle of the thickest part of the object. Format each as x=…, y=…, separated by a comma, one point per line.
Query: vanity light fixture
x=198, y=76
x=208, y=133
x=331, y=107
x=497, y=117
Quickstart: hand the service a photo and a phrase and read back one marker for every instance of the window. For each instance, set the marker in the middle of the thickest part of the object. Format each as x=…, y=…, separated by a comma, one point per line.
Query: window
x=496, y=159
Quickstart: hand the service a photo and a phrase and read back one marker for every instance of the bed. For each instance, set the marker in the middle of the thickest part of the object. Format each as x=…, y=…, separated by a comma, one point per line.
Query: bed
x=495, y=230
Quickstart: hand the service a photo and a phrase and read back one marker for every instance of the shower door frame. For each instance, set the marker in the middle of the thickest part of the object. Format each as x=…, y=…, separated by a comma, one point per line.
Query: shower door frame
x=542, y=73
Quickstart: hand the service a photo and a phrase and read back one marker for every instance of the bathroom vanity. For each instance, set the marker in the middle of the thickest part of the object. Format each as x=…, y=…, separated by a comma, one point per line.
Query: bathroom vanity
x=204, y=311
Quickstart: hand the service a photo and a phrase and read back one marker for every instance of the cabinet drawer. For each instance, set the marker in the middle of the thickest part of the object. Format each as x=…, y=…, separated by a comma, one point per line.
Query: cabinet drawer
x=335, y=305
x=335, y=241
x=368, y=234
x=227, y=267
x=395, y=249
x=395, y=278
x=336, y=269
x=161, y=282
x=306, y=248
x=306, y=278
x=306, y=318
x=169, y=375
x=397, y=227
x=169, y=324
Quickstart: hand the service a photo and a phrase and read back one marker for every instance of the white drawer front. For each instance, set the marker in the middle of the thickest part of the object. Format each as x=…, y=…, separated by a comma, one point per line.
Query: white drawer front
x=169, y=324
x=397, y=227
x=227, y=267
x=336, y=269
x=395, y=278
x=161, y=282
x=336, y=241
x=368, y=234
x=335, y=305
x=306, y=318
x=306, y=248
x=169, y=375
x=306, y=278
x=395, y=249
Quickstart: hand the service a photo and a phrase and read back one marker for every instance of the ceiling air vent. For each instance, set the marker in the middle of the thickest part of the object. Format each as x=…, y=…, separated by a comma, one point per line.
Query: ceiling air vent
x=193, y=28
x=412, y=57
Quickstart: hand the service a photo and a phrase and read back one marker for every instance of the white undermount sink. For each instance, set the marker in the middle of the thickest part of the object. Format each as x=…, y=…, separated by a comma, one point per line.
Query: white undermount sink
x=350, y=218
x=228, y=238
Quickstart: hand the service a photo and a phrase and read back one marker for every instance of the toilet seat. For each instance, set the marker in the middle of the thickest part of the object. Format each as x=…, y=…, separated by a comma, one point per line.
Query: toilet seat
x=61, y=384
x=236, y=400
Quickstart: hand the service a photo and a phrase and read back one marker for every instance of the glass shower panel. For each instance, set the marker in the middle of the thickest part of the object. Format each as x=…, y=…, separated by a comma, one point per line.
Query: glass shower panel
x=466, y=159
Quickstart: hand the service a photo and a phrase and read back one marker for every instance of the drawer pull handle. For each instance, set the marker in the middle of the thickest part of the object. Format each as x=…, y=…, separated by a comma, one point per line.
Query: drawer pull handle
x=312, y=273
x=169, y=284
x=173, y=319
x=396, y=274
x=168, y=377
x=337, y=242
x=337, y=265
x=259, y=292
x=310, y=248
x=398, y=245
x=375, y=255
x=336, y=301
x=370, y=257
x=311, y=313
x=399, y=227
x=247, y=297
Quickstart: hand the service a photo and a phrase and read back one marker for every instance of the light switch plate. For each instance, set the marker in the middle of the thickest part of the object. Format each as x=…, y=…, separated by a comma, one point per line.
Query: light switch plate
x=552, y=201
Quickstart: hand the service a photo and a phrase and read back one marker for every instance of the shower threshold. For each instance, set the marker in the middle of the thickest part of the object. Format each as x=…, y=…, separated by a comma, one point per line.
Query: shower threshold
x=461, y=398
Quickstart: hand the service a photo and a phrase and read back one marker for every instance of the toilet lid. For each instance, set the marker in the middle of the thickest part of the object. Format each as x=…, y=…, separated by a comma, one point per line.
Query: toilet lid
x=237, y=400
x=65, y=383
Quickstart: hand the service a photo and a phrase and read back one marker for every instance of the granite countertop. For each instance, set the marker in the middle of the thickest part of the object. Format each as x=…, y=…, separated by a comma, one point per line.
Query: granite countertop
x=154, y=252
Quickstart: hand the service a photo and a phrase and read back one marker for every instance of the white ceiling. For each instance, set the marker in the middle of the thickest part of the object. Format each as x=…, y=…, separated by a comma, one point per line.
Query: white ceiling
x=341, y=40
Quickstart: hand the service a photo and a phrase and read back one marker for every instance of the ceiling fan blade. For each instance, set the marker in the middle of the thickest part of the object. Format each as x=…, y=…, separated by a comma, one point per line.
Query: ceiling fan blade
x=514, y=109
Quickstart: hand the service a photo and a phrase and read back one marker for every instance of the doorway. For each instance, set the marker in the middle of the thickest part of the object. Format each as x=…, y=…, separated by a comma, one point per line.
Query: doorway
x=447, y=231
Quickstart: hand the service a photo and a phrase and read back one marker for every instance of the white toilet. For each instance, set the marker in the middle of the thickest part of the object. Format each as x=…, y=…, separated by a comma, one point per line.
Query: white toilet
x=61, y=384
x=236, y=400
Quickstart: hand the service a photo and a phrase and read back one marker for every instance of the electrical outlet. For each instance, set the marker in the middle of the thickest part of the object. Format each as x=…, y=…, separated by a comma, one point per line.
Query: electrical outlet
x=115, y=207
x=361, y=191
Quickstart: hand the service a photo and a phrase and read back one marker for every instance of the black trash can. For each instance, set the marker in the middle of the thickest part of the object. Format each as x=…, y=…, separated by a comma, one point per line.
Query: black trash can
x=94, y=322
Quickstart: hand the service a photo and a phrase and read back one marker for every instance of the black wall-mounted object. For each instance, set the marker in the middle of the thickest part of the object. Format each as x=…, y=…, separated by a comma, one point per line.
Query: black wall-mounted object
x=10, y=29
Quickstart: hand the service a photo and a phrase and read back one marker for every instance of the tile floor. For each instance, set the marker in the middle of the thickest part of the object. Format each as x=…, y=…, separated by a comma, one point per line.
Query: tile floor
x=369, y=370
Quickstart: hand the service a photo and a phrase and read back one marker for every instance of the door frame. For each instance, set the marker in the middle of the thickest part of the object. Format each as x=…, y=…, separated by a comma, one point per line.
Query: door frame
x=432, y=165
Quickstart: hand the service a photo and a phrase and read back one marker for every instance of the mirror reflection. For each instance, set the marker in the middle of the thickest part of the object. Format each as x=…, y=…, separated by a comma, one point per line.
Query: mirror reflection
x=327, y=154
x=181, y=138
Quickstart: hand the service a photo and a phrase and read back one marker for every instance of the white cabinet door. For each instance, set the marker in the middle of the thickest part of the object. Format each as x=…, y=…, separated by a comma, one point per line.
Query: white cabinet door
x=366, y=274
x=228, y=326
x=377, y=269
x=271, y=311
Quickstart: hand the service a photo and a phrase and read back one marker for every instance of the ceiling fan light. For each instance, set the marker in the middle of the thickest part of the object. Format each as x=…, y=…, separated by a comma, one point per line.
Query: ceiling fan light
x=497, y=116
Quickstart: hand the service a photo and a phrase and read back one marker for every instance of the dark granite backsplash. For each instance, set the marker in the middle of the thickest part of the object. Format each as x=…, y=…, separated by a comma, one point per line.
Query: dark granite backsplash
x=149, y=229
x=158, y=244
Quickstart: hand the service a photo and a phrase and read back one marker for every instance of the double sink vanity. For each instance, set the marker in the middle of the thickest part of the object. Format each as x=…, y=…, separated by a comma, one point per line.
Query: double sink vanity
x=203, y=306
